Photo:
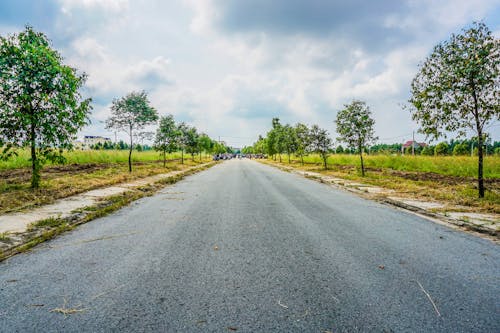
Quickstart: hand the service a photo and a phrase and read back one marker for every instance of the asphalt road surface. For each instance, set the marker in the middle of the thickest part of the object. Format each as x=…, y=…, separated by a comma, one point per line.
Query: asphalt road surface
x=244, y=247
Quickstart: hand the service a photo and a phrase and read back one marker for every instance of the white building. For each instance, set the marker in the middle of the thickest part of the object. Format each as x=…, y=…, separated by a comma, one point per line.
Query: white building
x=91, y=140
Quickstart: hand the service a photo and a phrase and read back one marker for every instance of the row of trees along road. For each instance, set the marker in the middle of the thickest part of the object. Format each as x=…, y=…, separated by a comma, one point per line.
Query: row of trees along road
x=132, y=114
x=354, y=126
x=457, y=89
x=171, y=137
x=41, y=107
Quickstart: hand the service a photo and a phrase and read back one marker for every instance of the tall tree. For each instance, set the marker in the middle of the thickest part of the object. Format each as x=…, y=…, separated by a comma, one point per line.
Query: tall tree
x=355, y=127
x=166, y=137
x=458, y=88
x=40, y=104
x=303, y=140
x=321, y=143
x=131, y=114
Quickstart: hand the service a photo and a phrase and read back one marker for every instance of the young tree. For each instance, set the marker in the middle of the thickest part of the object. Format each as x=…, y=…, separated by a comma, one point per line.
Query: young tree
x=303, y=140
x=166, y=137
x=204, y=143
x=289, y=140
x=458, y=88
x=188, y=140
x=40, y=104
x=192, y=142
x=271, y=143
x=131, y=114
x=355, y=127
x=273, y=139
x=259, y=147
x=321, y=143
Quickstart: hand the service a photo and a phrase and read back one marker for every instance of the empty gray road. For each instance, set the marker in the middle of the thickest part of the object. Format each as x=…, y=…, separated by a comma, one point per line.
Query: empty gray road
x=244, y=247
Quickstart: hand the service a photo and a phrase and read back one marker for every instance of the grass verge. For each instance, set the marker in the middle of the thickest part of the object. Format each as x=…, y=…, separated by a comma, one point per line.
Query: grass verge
x=62, y=181
x=457, y=191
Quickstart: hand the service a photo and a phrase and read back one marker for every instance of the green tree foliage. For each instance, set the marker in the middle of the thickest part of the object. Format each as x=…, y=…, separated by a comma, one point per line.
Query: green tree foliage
x=205, y=144
x=188, y=140
x=166, y=137
x=441, y=149
x=131, y=114
x=458, y=87
x=40, y=104
x=384, y=148
x=427, y=151
x=192, y=142
x=273, y=139
x=355, y=127
x=288, y=139
x=218, y=148
x=303, y=137
x=321, y=143
x=461, y=149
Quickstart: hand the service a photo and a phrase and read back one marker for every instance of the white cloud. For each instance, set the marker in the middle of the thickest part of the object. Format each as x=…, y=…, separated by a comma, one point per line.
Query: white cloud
x=230, y=81
x=68, y=6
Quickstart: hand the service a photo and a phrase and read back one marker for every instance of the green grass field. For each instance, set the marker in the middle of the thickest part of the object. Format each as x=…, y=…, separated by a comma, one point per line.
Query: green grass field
x=459, y=166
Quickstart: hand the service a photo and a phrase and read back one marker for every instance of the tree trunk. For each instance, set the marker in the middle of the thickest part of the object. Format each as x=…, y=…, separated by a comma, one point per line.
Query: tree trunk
x=182, y=156
x=480, y=181
x=479, y=128
x=288, y=158
x=130, y=151
x=164, y=158
x=35, y=165
x=362, y=165
x=280, y=157
x=324, y=161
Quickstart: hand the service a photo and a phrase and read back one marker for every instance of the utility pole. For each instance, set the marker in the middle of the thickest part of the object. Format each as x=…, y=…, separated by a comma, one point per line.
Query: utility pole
x=413, y=145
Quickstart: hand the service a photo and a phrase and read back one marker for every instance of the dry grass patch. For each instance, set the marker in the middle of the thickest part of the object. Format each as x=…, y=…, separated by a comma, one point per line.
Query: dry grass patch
x=63, y=181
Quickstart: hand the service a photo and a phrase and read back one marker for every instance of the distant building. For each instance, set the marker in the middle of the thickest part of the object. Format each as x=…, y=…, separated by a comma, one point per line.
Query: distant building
x=90, y=140
x=77, y=144
x=411, y=143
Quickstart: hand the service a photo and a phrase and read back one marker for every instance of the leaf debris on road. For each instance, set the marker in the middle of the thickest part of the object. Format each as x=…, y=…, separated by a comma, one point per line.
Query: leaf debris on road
x=282, y=305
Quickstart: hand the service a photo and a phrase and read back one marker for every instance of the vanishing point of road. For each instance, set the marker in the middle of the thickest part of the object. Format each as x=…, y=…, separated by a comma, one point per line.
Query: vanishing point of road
x=245, y=247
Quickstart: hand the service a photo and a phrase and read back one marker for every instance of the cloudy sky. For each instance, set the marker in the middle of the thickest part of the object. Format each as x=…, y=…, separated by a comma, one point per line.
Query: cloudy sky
x=228, y=67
